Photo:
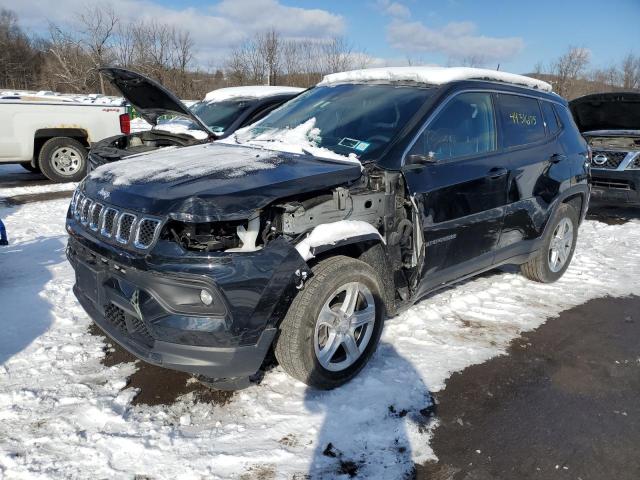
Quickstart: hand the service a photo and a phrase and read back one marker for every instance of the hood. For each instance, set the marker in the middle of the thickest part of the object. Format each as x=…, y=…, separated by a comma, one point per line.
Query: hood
x=150, y=99
x=607, y=111
x=213, y=182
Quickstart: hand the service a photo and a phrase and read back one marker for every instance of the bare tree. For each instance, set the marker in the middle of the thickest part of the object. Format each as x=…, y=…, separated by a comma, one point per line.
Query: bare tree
x=474, y=60
x=568, y=69
x=124, y=47
x=20, y=61
x=68, y=66
x=631, y=72
x=270, y=47
x=182, y=58
x=337, y=55
x=98, y=29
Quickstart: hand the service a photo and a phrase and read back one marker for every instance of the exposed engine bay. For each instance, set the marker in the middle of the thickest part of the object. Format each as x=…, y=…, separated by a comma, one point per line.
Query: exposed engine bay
x=379, y=198
x=120, y=146
x=627, y=143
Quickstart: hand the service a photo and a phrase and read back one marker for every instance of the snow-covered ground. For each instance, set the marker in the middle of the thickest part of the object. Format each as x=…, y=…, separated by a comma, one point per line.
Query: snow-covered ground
x=65, y=415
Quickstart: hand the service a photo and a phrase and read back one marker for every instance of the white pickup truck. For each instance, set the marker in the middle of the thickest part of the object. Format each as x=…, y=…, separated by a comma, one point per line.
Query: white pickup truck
x=53, y=136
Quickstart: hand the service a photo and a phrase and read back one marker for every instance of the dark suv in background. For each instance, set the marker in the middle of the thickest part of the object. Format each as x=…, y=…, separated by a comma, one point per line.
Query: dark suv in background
x=302, y=232
x=611, y=124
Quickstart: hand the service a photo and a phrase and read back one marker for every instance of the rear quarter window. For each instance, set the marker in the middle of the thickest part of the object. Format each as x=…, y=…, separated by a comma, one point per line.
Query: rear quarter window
x=550, y=118
x=571, y=137
x=521, y=120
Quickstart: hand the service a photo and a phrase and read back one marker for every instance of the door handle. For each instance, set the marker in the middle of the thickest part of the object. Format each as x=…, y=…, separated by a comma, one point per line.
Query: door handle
x=557, y=158
x=496, y=173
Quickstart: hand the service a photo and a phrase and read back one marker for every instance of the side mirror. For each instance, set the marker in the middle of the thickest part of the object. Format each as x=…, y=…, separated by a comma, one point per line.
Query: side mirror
x=417, y=159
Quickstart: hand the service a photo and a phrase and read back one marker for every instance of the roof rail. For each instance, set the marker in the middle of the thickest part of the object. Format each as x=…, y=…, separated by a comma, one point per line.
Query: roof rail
x=434, y=76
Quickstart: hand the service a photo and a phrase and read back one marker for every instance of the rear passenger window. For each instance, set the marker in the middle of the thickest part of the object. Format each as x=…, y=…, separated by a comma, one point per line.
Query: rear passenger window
x=550, y=118
x=465, y=126
x=521, y=120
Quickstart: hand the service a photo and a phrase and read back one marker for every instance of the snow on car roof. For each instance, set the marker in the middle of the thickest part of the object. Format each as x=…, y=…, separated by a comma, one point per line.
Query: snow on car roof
x=433, y=76
x=254, y=91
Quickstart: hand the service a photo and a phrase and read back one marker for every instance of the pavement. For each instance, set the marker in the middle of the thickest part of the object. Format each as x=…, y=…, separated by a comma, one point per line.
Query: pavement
x=562, y=404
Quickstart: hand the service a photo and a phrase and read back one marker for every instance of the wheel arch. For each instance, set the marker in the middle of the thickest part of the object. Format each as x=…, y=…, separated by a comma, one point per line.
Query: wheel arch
x=42, y=135
x=369, y=249
x=576, y=196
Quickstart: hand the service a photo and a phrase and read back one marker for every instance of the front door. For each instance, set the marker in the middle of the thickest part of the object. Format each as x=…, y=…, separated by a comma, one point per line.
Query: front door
x=459, y=180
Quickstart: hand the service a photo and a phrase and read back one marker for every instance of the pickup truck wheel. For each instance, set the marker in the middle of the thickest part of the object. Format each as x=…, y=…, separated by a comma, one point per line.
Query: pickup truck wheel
x=333, y=325
x=63, y=159
x=29, y=167
x=555, y=255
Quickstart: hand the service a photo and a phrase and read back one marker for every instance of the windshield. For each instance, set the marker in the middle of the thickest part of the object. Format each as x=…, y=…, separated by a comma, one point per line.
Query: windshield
x=219, y=116
x=348, y=119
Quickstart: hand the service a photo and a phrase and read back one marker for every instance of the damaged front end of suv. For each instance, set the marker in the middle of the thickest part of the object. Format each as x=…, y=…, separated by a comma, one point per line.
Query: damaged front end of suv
x=192, y=260
x=199, y=283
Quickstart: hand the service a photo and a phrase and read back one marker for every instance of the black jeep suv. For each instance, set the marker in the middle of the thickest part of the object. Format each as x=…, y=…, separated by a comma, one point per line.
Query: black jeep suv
x=610, y=122
x=302, y=232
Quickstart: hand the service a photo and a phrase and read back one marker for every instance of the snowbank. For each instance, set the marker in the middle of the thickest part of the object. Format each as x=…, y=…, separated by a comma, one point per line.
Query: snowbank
x=433, y=76
x=256, y=91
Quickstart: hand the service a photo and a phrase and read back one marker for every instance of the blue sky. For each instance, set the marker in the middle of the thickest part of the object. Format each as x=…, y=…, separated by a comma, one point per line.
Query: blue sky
x=515, y=34
x=609, y=29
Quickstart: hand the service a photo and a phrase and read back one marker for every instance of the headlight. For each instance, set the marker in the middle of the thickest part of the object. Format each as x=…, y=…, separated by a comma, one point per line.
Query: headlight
x=74, y=200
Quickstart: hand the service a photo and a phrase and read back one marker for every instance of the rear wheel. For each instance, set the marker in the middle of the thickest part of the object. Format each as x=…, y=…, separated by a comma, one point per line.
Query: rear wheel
x=333, y=326
x=29, y=167
x=554, y=257
x=63, y=159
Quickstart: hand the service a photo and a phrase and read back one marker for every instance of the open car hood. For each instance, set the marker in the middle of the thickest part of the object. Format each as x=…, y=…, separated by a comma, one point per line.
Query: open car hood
x=607, y=111
x=150, y=99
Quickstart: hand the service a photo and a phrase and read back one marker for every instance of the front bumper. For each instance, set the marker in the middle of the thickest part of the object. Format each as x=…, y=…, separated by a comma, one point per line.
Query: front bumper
x=210, y=362
x=614, y=187
x=155, y=313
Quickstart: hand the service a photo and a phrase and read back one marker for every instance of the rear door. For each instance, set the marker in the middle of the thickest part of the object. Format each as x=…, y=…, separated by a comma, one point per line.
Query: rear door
x=460, y=188
x=538, y=168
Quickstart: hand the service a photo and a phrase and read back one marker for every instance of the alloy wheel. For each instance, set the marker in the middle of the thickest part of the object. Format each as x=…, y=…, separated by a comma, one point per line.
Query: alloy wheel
x=344, y=326
x=561, y=244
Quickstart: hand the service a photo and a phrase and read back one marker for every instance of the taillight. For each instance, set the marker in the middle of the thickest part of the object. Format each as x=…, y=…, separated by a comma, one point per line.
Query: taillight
x=125, y=124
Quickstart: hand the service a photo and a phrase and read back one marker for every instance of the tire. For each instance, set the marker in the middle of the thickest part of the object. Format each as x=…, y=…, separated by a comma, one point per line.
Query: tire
x=541, y=267
x=63, y=159
x=27, y=166
x=297, y=343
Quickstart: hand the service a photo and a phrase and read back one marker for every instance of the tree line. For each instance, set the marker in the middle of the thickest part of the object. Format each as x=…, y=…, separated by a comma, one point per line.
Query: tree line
x=68, y=60
x=572, y=75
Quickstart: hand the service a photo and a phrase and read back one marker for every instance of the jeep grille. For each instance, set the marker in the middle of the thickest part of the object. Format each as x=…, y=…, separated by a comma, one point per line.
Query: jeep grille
x=115, y=225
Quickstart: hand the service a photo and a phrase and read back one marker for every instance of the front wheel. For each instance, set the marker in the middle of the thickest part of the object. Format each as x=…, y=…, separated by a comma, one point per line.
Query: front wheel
x=333, y=326
x=63, y=159
x=555, y=255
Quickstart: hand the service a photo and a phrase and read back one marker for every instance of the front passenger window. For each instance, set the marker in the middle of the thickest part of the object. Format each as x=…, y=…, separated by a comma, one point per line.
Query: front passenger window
x=464, y=127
